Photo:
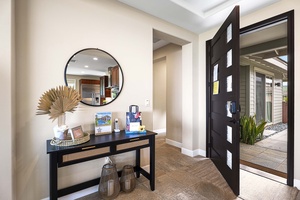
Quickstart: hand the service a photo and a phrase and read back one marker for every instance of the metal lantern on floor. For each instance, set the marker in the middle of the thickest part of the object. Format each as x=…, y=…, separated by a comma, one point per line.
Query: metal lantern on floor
x=109, y=186
x=128, y=181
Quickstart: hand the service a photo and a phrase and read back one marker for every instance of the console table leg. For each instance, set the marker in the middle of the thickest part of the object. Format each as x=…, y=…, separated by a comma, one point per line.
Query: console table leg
x=138, y=162
x=53, y=176
x=152, y=163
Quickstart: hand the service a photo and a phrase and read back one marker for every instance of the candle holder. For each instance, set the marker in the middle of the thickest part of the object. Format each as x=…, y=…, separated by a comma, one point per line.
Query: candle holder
x=109, y=186
x=128, y=181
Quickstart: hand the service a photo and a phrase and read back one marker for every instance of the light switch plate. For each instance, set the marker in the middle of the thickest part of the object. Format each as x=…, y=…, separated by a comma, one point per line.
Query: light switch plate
x=147, y=102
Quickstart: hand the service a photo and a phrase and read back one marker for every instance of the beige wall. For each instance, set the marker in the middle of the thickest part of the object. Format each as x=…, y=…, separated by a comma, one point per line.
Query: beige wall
x=7, y=117
x=159, y=94
x=173, y=58
x=270, y=11
x=48, y=32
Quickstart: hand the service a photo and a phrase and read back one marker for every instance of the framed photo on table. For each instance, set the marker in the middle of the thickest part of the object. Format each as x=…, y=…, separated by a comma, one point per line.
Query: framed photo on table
x=103, y=123
x=77, y=132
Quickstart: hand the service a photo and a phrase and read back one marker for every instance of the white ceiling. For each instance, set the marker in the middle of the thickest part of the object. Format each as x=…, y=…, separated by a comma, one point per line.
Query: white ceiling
x=196, y=15
x=199, y=16
x=90, y=62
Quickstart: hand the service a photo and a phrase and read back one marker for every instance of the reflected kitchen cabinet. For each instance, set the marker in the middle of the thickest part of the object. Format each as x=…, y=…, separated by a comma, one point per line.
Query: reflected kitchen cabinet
x=88, y=86
x=114, y=72
x=95, y=92
x=90, y=91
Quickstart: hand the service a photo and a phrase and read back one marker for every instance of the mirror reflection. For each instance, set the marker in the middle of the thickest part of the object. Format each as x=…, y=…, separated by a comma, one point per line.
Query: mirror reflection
x=96, y=75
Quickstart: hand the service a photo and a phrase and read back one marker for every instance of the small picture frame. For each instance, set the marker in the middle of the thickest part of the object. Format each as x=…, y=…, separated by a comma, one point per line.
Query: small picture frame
x=77, y=132
x=103, y=123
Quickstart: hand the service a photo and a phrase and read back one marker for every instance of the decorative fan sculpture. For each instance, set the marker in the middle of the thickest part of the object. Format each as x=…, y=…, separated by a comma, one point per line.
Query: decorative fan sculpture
x=56, y=102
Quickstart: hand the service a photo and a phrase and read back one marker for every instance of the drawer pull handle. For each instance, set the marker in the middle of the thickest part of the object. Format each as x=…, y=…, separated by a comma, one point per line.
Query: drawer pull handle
x=85, y=148
x=135, y=139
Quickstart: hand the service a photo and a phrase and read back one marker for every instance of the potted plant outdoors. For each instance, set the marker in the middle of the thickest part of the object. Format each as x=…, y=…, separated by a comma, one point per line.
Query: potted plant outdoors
x=250, y=131
x=56, y=102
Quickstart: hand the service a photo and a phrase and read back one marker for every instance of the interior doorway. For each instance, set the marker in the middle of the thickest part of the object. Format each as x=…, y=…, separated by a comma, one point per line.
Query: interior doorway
x=267, y=84
x=168, y=56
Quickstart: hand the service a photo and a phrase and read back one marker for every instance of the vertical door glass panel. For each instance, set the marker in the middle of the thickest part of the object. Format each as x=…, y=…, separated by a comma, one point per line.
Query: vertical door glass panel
x=216, y=70
x=229, y=134
x=229, y=83
x=260, y=97
x=229, y=58
x=228, y=109
x=229, y=33
x=229, y=159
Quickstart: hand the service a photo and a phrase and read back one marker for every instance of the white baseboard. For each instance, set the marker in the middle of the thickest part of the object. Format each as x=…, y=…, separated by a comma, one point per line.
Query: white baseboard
x=193, y=153
x=78, y=194
x=158, y=131
x=187, y=152
x=201, y=152
x=297, y=184
x=173, y=143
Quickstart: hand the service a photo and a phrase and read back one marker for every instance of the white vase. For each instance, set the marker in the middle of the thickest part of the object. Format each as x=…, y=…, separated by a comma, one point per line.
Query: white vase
x=61, y=120
x=61, y=130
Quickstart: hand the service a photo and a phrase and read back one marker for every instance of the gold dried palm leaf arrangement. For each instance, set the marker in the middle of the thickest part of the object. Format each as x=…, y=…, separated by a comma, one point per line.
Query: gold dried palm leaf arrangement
x=57, y=101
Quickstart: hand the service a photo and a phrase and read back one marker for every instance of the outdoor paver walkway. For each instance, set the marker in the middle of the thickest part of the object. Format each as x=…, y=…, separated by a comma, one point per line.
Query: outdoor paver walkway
x=270, y=152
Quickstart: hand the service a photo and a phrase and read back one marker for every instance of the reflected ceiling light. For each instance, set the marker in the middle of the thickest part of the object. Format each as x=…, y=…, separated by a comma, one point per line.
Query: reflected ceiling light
x=86, y=66
x=95, y=58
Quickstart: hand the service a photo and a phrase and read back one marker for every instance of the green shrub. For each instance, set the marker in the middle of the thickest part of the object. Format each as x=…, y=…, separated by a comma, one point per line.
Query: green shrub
x=250, y=132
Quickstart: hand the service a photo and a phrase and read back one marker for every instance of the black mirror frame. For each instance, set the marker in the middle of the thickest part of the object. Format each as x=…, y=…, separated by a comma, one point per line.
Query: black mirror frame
x=120, y=89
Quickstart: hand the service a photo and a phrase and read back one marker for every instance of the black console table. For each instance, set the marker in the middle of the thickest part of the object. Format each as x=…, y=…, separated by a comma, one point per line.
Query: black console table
x=98, y=147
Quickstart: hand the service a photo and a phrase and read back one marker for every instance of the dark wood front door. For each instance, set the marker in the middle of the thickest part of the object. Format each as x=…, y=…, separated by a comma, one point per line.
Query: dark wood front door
x=223, y=61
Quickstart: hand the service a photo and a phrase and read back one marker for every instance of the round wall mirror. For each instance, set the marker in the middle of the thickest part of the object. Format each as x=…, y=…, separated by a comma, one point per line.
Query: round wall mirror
x=96, y=75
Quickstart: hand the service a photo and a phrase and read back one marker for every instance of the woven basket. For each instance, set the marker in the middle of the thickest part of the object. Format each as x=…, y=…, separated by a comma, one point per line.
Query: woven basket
x=58, y=142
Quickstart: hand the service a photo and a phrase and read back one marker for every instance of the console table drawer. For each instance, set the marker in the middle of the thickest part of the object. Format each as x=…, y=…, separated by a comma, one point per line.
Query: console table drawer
x=84, y=154
x=132, y=144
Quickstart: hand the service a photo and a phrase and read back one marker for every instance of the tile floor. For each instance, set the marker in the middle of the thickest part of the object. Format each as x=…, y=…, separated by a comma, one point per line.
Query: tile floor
x=186, y=178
